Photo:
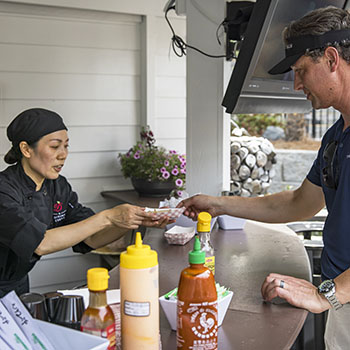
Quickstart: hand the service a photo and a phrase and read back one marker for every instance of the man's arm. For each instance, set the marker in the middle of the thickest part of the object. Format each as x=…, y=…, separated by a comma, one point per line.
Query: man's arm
x=286, y=206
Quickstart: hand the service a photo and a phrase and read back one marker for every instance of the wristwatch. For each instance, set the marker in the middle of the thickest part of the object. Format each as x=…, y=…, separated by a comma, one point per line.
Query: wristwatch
x=327, y=288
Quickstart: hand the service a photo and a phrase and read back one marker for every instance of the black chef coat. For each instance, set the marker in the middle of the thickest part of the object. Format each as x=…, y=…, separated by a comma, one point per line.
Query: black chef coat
x=25, y=216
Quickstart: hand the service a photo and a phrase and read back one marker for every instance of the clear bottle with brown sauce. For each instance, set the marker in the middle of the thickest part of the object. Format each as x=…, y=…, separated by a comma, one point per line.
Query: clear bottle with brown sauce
x=203, y=229
x=98, y=318
x=197, y=308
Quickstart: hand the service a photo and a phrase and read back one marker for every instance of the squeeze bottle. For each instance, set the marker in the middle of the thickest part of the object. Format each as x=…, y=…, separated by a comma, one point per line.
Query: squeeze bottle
x=98, y=318
x=203, y=229
x=197, y=307
x=139, y=297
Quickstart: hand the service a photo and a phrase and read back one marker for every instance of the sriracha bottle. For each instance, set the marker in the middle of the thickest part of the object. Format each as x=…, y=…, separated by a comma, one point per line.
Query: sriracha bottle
x=197, y=308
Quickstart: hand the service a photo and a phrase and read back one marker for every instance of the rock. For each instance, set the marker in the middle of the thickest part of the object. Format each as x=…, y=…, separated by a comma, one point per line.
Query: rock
x=243, y=152
x=266, y=147
x=245, y=193
x=256, y=186
x=250, y=160
x=235, y=161
x=274, y=133
x=253, y=146
x=261, y=159
x=244, y=172
x=255, y=173
x=235, y=147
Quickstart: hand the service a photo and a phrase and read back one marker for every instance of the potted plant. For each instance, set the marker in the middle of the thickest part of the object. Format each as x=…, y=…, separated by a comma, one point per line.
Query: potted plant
x=153, y=170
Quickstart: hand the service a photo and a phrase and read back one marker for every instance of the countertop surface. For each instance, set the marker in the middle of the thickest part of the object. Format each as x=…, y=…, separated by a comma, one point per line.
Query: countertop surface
x=243, y=259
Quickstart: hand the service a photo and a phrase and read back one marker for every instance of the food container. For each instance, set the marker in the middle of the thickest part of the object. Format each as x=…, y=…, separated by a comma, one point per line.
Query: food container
x=170, y=306
x=179, y=235
x=165, y=213
x=227, y=222
x=67, y=338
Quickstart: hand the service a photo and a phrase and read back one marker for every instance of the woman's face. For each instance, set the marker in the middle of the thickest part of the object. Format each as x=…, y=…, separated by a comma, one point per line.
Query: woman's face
x=46, y=160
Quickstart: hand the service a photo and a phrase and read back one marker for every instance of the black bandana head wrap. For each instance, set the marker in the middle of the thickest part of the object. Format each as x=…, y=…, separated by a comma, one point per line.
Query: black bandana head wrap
x=32, y=124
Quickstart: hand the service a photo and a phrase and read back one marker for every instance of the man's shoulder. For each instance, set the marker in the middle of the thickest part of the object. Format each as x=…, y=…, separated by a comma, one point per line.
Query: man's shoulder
x=334, y=131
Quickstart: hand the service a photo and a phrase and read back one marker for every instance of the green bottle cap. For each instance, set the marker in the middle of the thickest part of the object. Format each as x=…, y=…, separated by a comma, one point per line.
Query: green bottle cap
x=196, y=256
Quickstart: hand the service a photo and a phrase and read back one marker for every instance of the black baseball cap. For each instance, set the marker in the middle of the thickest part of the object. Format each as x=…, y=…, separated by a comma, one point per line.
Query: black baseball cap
x=297, y=46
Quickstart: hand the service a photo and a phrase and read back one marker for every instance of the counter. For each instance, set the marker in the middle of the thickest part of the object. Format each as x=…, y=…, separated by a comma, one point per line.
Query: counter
x=243, y=259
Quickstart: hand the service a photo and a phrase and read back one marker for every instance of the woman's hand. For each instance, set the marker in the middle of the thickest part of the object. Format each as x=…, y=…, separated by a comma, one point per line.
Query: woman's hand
x=295, y=291
x=157, y=223
x=129, y=216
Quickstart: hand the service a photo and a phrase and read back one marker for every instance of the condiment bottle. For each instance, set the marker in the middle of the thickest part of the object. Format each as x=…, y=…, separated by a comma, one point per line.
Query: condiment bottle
x=139, y=297
x=197, y=308
x=98, y=318
x=203, y=229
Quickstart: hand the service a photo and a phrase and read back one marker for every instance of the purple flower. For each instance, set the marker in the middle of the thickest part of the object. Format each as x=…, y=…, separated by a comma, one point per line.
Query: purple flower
x=179, y=182
x=175, y=171
x=166, y=163
x=179, y=193
x=183, y=171
x=172, y=152
x=137, y=155
x=166, y=175
x=183, y=165
x=162, y=169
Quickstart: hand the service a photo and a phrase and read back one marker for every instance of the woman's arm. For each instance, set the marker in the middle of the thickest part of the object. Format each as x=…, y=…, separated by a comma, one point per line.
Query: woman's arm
x=97, y=230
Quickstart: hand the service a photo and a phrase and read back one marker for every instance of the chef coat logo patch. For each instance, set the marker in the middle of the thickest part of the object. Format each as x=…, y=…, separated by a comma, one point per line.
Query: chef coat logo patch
x=58, y=214
x=57, y=207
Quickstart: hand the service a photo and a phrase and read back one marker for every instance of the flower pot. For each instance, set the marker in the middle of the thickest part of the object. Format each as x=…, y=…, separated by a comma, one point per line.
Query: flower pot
x=147, y=188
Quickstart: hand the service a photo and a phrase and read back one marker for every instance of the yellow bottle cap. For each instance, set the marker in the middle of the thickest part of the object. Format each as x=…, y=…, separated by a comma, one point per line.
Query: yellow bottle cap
x=97, y=279
x=138, y=256
x=204, y=220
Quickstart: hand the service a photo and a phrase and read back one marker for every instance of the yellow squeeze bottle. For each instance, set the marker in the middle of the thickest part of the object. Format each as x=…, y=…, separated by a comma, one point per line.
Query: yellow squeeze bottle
x=203, y=229
x=139, y=297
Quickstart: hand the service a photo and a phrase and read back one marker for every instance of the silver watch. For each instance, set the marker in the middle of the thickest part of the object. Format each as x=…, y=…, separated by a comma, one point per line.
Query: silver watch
x=327, y=288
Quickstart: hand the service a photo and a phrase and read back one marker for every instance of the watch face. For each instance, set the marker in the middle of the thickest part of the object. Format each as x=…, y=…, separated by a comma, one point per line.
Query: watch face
x=326, y=286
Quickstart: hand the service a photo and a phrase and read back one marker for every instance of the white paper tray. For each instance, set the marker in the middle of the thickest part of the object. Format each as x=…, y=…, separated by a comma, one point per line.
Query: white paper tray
x=64, y=338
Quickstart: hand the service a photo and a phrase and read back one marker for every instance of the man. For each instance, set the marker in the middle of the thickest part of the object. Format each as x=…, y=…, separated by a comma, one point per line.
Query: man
x=318, y=52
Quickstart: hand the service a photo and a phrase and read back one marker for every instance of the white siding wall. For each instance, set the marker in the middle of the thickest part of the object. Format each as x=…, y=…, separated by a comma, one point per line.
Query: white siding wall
x=170, y=87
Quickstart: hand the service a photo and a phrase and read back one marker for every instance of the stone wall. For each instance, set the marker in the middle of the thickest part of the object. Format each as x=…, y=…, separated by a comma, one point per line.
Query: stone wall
x=291, y=168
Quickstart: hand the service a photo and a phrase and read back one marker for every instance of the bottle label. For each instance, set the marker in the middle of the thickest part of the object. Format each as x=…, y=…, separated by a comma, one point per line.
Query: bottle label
x=197, y=325
x=210, y=263
x=107, y=333
x=137, y=309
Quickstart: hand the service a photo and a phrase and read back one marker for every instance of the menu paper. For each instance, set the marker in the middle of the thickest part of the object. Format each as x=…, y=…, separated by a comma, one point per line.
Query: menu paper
x=25, y=321
x=3, y=345
x=11, y=332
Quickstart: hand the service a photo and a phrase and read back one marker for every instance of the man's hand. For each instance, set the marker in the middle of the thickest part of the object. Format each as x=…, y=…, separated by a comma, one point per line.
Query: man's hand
x=200, y=202
x=295, y=291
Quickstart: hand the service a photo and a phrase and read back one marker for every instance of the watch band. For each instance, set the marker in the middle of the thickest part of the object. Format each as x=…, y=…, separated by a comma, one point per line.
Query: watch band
x=334, y=302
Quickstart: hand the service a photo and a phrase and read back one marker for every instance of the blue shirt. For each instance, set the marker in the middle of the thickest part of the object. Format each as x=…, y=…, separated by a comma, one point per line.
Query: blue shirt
x=335, y=257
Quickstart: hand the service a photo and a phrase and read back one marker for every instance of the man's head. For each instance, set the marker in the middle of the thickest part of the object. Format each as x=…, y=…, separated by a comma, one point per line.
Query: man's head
x=312, y=34
x=318, y=50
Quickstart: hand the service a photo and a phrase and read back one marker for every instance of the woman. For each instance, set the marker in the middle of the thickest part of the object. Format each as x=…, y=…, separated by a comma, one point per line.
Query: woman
x=39, y=212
